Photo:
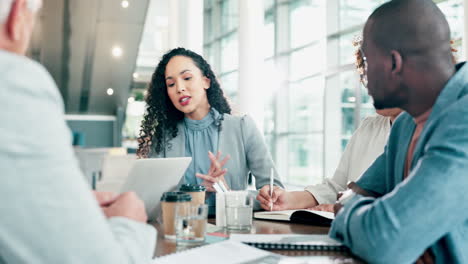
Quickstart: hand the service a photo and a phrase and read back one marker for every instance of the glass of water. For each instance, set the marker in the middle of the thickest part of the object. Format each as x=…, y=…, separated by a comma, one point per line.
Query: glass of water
x=190, y=224
x=239, y=205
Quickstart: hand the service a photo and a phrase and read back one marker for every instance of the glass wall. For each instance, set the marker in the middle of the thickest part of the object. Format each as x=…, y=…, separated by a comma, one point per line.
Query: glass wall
x=315, y=101
x=221, y=42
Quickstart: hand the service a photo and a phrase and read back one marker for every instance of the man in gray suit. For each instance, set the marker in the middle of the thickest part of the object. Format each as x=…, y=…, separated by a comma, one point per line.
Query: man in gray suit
x=48, y=213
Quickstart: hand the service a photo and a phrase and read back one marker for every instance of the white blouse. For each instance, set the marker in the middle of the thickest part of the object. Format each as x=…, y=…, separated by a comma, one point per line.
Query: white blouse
x=366, y=144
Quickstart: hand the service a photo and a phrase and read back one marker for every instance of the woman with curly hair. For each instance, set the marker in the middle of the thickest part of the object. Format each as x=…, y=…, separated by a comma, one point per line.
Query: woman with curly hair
x=188, y=116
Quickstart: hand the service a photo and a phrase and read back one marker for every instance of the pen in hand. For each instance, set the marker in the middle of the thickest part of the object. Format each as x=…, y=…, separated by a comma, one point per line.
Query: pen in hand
x=271, y=188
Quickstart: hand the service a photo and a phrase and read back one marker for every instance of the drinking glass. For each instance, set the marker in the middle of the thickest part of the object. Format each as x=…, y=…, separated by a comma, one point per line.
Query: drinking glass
x=239, y=206
x=190, y=223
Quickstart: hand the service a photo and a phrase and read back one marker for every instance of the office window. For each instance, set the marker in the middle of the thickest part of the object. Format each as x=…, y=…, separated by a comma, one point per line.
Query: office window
x=305, y=159
x=305, y=131
x=306, y=62
x=310, y=13
x=208, y=32
x=353, y=13
x=306, y=106
x=229, y=84
x=348, y=102
x=229, y=15
x=221, y=48
x=230, y=49
x=269, y=34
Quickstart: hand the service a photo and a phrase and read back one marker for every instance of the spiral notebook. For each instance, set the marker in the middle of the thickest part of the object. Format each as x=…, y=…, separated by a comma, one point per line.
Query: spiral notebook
x=290, y=242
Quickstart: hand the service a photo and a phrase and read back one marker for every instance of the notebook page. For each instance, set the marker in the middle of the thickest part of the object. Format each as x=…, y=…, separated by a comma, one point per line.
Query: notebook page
x=274, y=215
x=226, y=252
x=287, y=213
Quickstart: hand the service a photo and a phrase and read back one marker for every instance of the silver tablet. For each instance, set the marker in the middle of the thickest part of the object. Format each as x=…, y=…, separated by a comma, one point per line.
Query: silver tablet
x=150, y=178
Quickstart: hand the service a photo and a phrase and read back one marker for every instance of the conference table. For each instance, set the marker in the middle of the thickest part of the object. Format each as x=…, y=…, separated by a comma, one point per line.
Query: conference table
x=165, y=246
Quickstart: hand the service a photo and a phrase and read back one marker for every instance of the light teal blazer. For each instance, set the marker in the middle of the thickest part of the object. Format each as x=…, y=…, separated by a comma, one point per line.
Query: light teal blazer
x=429, y=209
x=240, y=138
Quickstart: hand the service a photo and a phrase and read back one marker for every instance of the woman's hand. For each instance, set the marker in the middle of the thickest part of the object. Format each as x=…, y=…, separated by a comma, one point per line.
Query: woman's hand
x=277, y=202
x=283, y=200
x=215, y=173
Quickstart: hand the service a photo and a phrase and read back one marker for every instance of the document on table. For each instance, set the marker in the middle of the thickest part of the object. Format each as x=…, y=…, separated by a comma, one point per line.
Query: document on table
x=226, y=252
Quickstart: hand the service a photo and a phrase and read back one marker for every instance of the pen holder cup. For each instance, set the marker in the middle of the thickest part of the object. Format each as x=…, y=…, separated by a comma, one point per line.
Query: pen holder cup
x=220, y=209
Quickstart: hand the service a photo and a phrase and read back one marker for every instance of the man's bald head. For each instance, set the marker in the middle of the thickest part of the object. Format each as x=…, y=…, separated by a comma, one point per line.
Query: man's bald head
x=412, y=27
x=407, y=48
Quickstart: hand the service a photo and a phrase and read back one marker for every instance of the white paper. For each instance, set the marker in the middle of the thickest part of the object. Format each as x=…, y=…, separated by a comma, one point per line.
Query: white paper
x=226, y=252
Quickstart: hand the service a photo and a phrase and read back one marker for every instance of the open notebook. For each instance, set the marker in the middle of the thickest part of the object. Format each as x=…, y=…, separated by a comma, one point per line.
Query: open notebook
x=289, y=242
x=319, y=218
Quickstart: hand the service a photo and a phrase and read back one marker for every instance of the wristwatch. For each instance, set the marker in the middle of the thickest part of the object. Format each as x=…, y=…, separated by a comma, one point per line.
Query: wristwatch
x=347, y=196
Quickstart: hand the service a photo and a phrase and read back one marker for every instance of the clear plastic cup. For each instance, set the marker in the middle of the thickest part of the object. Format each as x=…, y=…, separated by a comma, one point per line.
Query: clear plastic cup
x=239, y=207
x=190, y=224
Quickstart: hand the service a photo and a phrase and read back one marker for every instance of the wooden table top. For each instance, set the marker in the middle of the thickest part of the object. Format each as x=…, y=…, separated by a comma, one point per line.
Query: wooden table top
x=164, y=246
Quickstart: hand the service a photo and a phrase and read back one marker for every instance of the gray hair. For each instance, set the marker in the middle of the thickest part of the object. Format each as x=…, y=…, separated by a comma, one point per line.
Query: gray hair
x=5, y=7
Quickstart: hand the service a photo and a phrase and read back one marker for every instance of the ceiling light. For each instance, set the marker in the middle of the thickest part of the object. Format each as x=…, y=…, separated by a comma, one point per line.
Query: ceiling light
x=110, y=91
x=125, y=4
x=135, y=75
x=131, y=99
x=117, y=51
x=351, y=99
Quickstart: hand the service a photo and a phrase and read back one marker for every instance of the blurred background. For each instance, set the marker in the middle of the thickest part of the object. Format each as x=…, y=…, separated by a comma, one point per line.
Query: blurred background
x=287, y=63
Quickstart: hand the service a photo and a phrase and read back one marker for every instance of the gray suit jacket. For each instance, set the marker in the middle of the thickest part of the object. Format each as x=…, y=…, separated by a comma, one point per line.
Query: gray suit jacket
x=240, y=138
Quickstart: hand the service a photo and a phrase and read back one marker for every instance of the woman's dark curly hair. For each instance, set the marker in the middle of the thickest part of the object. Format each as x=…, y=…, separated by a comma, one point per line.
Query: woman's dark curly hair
x=160, y=120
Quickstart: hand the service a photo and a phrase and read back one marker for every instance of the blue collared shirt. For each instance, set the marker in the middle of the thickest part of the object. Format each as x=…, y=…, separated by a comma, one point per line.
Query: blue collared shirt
x=429, y=209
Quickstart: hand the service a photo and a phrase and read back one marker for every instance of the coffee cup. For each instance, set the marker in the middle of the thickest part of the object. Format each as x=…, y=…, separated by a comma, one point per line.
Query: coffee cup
x=169, y=202
x=196, y=191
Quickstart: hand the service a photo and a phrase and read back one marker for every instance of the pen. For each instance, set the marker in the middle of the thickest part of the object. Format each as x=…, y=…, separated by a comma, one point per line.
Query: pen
x=223, y=187
x=271, y=188
x=217, y=188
